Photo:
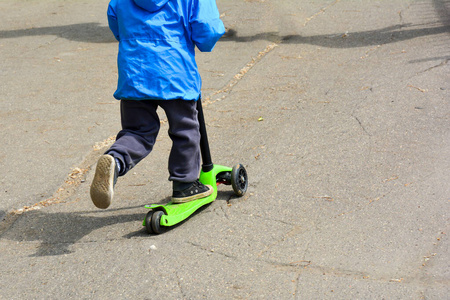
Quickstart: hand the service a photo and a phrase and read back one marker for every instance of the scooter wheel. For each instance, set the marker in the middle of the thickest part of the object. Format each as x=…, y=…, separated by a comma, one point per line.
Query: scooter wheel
x=239, y=180
x=156, y=222
x=153, y=222
x=148, y=222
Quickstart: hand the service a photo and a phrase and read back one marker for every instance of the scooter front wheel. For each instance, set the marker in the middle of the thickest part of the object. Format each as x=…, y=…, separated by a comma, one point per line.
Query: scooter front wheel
x=239, y=180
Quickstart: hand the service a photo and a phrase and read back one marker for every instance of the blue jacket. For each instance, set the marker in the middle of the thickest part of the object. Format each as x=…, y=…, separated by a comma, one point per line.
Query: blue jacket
x=157, y=40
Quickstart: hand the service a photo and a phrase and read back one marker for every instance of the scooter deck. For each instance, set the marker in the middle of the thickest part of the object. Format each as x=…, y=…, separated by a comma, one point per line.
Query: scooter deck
x=175, y=213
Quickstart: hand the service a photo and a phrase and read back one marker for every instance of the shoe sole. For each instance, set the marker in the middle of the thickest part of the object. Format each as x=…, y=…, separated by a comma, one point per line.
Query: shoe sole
x=193, y=197
x=102, y=187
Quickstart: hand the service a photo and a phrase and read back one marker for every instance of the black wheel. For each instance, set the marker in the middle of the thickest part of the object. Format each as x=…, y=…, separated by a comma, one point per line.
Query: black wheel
x=239, y=180
x=155, y=222
x=148, y=222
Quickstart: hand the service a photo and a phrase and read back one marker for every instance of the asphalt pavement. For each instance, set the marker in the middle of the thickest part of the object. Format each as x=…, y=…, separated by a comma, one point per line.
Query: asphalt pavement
x=339, y=110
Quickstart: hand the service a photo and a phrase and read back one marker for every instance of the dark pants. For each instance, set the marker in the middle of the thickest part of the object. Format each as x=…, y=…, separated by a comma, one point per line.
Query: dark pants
x=140, y=127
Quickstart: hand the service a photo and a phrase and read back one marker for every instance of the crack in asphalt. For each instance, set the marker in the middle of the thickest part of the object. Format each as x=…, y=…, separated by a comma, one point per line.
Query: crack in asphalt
x=238, y=77
x=443, y=63
x=361, y=125
x=321, y=11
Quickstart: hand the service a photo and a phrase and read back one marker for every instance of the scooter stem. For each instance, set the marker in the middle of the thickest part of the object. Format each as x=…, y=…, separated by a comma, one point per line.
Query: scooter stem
x=204, y=145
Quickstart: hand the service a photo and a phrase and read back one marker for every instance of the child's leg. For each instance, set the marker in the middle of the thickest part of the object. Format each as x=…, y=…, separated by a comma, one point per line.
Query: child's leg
x=184, y=159
x=140, y=127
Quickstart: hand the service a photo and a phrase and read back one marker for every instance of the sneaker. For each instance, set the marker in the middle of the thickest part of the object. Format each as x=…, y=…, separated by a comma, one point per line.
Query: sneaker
x=196, y=191
x=102, y=187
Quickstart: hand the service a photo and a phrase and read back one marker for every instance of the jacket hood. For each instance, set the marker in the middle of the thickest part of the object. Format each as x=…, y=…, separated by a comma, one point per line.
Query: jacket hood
x=150, y=5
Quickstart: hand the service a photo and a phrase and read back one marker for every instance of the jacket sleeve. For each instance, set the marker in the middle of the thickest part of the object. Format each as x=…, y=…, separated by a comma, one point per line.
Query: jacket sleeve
x=206, y=26
x=112, y=20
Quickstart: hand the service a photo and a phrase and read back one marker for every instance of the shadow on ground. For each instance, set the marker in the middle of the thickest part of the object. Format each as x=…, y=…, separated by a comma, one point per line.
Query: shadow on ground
x=382, y=36
x=57, y=232
x=95, y=33
x=85, y=32
x=442, y=8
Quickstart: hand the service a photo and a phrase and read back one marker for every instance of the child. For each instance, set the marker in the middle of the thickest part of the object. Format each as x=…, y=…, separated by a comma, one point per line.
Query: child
x=156, y=64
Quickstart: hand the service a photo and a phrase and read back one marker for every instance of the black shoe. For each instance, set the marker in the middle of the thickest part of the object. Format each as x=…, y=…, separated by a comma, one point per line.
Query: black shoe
x=196, y=191
x=105, y=178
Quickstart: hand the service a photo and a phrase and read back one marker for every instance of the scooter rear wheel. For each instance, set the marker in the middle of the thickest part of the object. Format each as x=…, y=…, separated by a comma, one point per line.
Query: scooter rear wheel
x=156, y=222
x=148, y=222
x=153, y=222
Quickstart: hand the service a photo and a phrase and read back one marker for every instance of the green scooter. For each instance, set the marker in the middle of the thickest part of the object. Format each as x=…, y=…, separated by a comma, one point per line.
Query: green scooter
x=160, y=217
